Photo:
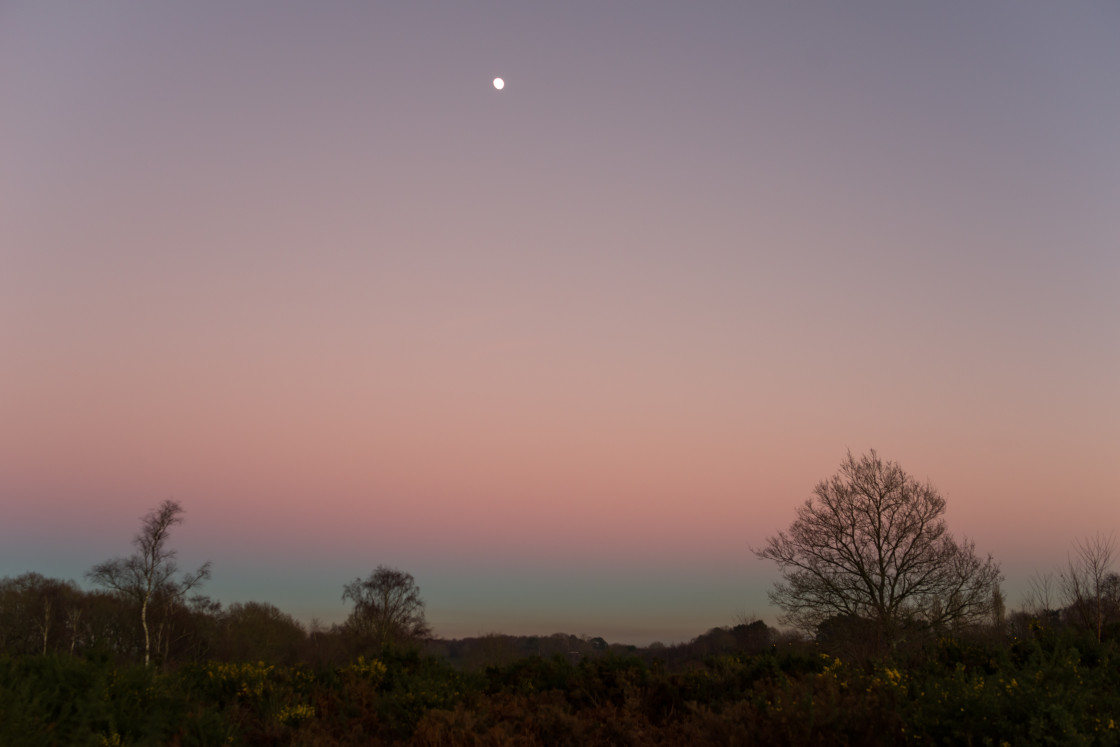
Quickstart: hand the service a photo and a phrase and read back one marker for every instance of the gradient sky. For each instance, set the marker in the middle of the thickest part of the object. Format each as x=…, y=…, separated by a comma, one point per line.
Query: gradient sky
x=567, y=351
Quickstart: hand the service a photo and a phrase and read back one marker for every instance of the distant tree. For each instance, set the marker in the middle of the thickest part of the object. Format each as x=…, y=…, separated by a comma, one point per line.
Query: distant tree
x=1039, y=600
x=184, y=629
x=490, y=650
x=387, y=608
x=108, y=625
x=258, y=631
x=34, y=613
x=327, y=647
x=999, y=611
x=151, y=571
x=1088, y=583
x=752, y=635
x=872, y=544
x=714, y=642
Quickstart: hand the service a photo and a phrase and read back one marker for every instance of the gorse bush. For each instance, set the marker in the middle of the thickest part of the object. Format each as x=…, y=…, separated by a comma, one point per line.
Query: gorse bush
x=1049, y=689
x=62, y=700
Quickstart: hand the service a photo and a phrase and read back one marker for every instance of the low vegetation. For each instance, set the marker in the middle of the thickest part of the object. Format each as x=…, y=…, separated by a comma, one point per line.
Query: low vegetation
x=903, y=637
x=1053, y=685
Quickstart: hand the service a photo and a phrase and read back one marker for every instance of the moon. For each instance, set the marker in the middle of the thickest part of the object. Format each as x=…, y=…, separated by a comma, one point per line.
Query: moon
x=499, y=83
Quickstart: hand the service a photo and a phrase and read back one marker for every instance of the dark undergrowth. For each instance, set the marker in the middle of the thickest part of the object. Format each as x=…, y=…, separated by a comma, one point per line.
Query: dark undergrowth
x=1046, y=690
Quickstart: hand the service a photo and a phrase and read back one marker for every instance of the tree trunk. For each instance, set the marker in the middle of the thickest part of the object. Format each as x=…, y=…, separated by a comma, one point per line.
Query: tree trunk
x=46, y=623
x=75, y=616
x=144, y=624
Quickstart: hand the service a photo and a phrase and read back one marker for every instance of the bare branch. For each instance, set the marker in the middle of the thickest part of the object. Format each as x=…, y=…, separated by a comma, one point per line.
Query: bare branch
x=387, y=607
x=872, y=544
x=151, y=569
x=1085, y=583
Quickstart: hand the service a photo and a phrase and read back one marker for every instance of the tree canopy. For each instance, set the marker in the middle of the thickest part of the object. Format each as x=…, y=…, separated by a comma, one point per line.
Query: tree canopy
x=872, y=544
x=387, y=607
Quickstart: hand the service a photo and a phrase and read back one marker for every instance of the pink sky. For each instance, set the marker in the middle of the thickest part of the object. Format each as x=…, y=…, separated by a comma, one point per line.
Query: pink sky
x=567, y=351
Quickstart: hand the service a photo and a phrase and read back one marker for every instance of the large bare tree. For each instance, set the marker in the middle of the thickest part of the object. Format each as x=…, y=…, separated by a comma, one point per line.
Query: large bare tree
x=151, y=570
x=387, y=607
x=871, y=545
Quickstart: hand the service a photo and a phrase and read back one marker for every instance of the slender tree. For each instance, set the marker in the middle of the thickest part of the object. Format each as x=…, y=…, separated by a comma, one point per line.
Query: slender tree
x=1039, y=599
x=151, y=569
x=871, y=545
x=1088, y=581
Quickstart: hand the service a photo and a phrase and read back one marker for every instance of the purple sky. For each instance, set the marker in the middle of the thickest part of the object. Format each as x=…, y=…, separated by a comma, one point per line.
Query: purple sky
x=566, y=351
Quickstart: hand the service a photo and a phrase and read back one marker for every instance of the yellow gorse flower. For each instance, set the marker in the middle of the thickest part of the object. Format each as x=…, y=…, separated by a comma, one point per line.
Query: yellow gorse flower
x=296, y=713
x=372, y=669
x=251, y=679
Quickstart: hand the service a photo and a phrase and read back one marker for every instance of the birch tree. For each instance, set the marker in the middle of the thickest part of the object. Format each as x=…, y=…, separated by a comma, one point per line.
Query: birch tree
x=152, y=569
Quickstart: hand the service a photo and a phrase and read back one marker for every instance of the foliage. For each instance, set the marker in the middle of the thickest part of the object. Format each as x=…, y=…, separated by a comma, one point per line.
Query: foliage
x=1054, y=687
x=62, y=700
x=253, y=631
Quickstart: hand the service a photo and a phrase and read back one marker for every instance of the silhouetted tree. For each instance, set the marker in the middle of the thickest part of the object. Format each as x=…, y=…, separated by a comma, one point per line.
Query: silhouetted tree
x=872, y=544
x=107, y=625
x=387, y=608
x=752, y=636
x=151, y=570
x=1039, y=600
x=1086, y=584
x=489, y=650
x=34, y=613
x=253, y=631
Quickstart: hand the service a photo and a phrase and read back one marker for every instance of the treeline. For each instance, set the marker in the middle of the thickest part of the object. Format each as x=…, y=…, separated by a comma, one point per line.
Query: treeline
x=147, y=611
x=40, y=615
x=1056, y=685
x=73, y=672
x=881, y=655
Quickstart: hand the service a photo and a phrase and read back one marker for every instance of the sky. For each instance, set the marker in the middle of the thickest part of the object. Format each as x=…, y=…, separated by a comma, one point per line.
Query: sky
x=567, y=351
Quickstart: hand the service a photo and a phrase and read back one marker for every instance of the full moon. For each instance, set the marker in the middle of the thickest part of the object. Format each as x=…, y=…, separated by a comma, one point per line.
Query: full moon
x=499, y=83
